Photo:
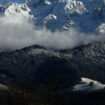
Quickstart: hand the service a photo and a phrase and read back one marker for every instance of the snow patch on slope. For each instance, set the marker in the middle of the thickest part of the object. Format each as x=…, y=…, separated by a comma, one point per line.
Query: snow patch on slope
x=87, y=84
x=101, y=29
x=3, y=87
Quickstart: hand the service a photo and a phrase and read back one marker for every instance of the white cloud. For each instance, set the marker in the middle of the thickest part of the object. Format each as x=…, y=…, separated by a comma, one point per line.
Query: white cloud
x=14, y=36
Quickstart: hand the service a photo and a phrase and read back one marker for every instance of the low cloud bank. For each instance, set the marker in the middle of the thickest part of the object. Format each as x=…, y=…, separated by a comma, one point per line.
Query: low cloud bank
x=16, y=35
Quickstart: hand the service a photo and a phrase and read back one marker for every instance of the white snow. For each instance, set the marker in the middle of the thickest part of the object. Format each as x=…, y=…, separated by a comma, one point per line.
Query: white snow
x=3, y=87
x=16, y=14
x=87, y=84
x=101, y=28
x=47, y=2
x=42, y=51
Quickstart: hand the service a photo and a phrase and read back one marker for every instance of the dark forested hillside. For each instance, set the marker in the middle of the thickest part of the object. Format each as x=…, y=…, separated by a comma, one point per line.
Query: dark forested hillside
x=41, y=74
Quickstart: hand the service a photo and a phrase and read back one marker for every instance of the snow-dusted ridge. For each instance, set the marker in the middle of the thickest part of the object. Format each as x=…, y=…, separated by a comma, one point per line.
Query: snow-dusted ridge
x=43, y=51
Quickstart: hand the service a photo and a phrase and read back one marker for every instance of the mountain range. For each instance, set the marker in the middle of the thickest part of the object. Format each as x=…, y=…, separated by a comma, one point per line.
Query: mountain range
x=43, y=69
x=87, y=16
x=42, y=74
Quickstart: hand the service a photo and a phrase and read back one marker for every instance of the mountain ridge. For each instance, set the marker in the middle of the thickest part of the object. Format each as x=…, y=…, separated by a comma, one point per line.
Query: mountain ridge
x=37, y=62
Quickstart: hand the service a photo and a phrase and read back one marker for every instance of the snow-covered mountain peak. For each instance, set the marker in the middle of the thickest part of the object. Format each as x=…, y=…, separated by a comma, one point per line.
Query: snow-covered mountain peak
x=90, y=13
x=87, y=15
x=14, y=13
